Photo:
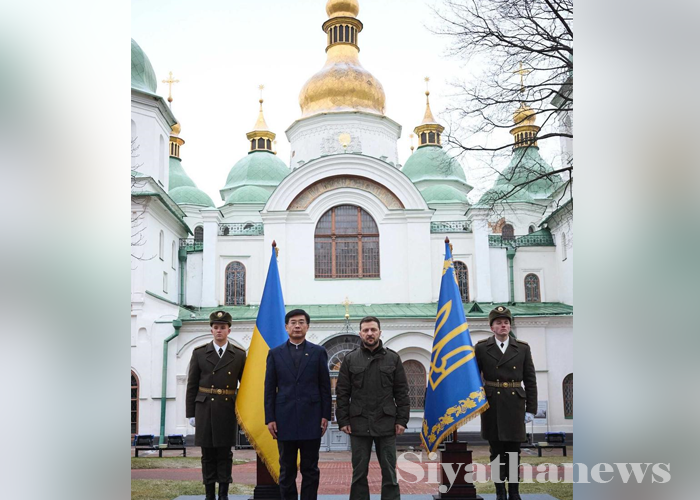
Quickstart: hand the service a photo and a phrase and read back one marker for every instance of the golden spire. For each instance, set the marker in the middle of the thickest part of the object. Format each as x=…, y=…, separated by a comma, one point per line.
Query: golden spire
x=525, y=131
x=342, y=84
x=170, y=82
x=429, y=130
x=261, y=137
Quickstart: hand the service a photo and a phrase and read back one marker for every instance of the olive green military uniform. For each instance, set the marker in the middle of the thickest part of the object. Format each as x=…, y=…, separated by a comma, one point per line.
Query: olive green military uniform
x=372, y=397
x=503, y=423
x=211, y=398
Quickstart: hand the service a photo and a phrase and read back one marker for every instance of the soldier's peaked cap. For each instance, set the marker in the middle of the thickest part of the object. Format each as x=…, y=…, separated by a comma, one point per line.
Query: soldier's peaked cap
x=220, y=317
x=500, y=312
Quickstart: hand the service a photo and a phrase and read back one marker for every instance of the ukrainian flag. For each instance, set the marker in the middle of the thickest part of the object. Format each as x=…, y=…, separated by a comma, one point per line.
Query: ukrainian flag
x=269, y=332
x=454, y=394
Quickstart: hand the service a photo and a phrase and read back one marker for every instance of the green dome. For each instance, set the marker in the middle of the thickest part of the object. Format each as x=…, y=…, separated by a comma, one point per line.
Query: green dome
x=498, y=195
x=526, y=165
x=443, y=194
x=189, y=195
x=249, y=194
x=432, y=163
x=259, y=168
x=178, y=177
x=142, y=75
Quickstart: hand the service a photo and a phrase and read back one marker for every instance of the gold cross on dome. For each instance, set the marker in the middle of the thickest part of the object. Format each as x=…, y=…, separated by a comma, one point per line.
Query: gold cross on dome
x=523, y=73
x=170, y=82
x=347, y=303
x=261, y=87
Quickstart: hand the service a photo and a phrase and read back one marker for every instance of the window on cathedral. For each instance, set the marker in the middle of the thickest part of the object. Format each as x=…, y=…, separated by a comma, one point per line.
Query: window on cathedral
x=507, y=232
x=568, y=393
x=563, y=246
x=346, y=244
x=335, y=34
x=462, y=275
x=165, y=282
x=174, y=256
x=415, y=374
x=347, y=33
x=198, y=234
x=531, y=229
x=134, y=404
x=352, y=35
x=423, y=138
x=252, y=144
x=532, y=288
x=268, y=144
x=235, y=284
x=161, y=246
x=431, y=137
x=337, y=348
x=261, y=143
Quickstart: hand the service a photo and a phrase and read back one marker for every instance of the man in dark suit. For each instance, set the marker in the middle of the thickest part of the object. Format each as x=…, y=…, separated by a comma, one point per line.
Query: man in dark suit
x=505, y=363
x=215, y=370
x=298, y=405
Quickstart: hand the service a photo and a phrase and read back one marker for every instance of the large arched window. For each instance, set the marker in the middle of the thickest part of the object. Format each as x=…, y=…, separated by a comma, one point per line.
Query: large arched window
x=415, y=373
x=134, y=404
x=337, y=348
x=235, y=284
x=568, y=390
x=532, y=288
x=507, y=232
x=346, y=244
x=462, y=275
x=198, y=234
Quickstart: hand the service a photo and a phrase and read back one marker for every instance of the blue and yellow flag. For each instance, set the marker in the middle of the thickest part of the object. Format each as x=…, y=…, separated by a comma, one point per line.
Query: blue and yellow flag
x=454, y=394
x=268, y=333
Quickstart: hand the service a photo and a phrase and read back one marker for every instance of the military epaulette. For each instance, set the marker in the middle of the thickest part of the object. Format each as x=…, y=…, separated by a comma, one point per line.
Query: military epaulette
x=236, y=347
x=201, y=346
x=522, y=341
x=483, y=340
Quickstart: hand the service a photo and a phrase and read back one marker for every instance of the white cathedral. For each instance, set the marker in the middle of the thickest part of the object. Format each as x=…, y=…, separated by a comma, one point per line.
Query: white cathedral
x=358, y=234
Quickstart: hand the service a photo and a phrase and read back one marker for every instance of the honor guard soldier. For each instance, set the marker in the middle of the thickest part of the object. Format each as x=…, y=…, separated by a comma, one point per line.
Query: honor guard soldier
x=215, y=370
x=506, y=363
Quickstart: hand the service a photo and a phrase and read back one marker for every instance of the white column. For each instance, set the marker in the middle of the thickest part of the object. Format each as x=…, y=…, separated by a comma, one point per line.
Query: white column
x=482, y=262
x=210, y=218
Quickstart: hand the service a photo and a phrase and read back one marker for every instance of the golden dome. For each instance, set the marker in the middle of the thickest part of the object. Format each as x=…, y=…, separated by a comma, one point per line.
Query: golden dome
x=524, y=115
x=176, y=129
x=342, y=8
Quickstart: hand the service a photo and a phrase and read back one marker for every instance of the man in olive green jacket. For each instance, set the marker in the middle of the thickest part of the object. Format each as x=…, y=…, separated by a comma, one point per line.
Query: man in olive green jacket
x=372, y=407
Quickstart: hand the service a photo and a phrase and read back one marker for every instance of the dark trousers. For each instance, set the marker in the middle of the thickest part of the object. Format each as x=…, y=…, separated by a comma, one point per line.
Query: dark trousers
x=386, y=455
x=500, y=449
x=308, y=465
x=216, y=465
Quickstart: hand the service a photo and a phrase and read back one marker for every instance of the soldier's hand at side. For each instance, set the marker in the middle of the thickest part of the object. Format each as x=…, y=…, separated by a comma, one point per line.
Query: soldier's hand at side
x=272, y=427
x=399, y=429
x=324, y=426
x=192, y=421
x=346, y=429
x=529, y=417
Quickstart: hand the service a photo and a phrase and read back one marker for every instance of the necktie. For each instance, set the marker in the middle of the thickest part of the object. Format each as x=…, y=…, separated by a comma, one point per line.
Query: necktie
x=501, y=345
x=221, y=351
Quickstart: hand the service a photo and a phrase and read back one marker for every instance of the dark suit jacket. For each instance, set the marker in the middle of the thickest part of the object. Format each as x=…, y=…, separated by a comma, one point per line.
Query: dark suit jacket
x=297, y=399
x=215, y=415
x=505, y=418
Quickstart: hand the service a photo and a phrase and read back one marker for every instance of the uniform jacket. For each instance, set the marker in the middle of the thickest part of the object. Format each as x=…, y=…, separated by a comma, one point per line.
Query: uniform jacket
x=297, y=399
x=215, y=415
x=505, y=418
x=372, y=392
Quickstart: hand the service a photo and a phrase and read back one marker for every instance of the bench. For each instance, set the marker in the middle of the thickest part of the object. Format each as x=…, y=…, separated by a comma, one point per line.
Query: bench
x=547, y=446
x=553, y=441
x=144, y=442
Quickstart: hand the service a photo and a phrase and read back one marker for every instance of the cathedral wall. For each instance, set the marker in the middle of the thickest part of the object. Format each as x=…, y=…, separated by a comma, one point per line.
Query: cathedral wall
x=541, y=262
x=162, y=268
x=317, y=136
x=193, y=284
x=250, y=252
x=152, y=136
x=500, y=279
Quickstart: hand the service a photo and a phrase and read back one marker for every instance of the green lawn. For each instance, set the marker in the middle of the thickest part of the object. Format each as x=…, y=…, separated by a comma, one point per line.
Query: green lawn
x=159, y=489
x=171, y=463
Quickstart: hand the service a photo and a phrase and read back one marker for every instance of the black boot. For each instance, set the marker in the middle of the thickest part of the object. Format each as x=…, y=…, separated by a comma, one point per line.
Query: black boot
x=501, y=491
x=223, y=491
x=210, y=490
x=513, y=491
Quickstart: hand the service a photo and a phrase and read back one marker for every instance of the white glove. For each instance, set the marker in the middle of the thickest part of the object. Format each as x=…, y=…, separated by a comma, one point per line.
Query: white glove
x=529, y=417
x=192, y=421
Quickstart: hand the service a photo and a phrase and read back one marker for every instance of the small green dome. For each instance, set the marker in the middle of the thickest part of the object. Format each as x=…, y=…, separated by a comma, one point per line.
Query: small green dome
x=526, y=168
x=248, y=194
x=189, y=195
x=178, y=177
x=443, y=194
x=499, y=194
x=432, y=163
x=258, y=168
x=142, y=75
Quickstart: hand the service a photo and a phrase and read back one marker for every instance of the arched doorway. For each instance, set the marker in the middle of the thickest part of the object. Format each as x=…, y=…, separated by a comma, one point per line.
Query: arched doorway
x=134, y=404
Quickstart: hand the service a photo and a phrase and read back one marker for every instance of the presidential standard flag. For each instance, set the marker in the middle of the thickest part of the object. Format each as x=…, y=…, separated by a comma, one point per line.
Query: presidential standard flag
x=454, y=394
x=268, y=333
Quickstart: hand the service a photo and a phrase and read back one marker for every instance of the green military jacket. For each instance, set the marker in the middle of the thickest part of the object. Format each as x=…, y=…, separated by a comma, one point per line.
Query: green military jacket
x=505, y=418
x=372, y=392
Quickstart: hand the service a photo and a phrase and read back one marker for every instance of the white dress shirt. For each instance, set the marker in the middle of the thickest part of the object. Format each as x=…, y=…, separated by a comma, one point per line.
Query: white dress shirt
x=505, y=343
x=217, y=347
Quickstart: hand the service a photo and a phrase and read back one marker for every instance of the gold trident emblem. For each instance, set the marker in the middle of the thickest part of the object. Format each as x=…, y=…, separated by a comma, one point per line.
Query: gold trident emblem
x=441, y=365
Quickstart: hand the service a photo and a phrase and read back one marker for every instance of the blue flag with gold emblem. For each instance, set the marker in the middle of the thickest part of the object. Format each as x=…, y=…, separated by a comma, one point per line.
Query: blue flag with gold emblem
x=454, y=394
